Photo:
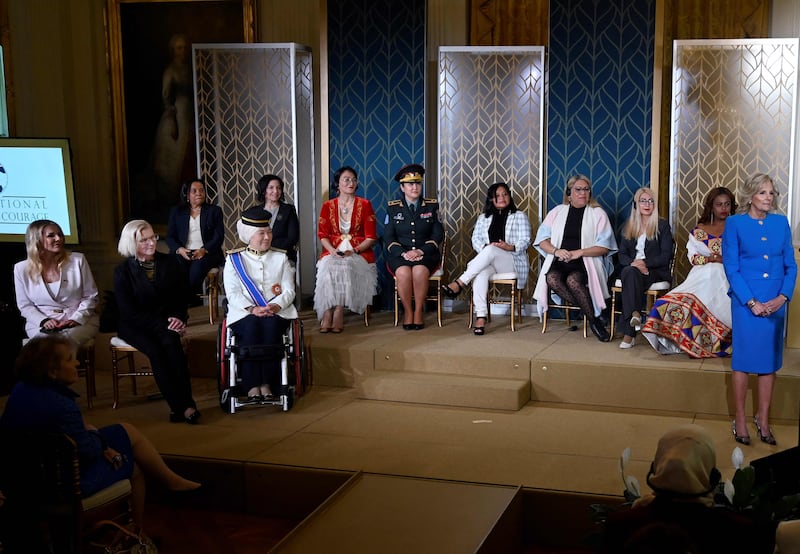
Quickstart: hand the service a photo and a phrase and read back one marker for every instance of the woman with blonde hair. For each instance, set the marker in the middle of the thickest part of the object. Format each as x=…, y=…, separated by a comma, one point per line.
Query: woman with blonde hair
x=151, y=291
x=759, y=262
x=55, y=289
x=645, y=252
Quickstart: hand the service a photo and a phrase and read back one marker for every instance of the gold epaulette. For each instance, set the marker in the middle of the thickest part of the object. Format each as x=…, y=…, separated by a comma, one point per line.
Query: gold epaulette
x=234, y=250
x=395, y=202
x=281, y=250
x=431, y=200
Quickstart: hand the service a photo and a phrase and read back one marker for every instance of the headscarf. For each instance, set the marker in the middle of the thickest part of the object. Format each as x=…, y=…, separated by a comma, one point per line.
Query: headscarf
x=684, y=468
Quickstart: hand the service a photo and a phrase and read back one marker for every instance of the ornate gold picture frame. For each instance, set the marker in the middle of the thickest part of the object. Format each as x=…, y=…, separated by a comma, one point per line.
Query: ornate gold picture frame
x=149, y=54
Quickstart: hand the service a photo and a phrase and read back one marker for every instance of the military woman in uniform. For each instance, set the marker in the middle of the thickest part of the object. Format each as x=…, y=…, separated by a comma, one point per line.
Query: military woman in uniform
x=413, y=236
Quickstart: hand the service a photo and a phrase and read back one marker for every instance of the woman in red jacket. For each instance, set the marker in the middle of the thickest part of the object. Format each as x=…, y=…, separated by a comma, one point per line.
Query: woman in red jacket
x=346, y=274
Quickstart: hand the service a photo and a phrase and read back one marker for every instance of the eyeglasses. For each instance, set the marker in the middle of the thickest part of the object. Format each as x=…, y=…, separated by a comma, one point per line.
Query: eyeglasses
x=145, y=240
x=349, y=180
x=646, y=201
x=581, y=189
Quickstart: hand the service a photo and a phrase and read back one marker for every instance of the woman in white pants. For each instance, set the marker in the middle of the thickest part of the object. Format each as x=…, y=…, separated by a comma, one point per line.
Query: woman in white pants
x=501, y=238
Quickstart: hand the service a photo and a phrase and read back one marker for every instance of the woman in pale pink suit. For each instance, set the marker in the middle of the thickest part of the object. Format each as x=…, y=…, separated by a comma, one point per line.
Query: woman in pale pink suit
x=55, y=289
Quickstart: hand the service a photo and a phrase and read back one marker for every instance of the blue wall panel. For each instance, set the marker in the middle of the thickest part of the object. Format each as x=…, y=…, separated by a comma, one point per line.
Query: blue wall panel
x=376, y=54
x=600, y=98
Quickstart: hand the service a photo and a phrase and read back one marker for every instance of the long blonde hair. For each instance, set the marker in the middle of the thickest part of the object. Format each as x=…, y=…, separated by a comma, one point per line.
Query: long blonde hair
x=34, y=241
x=636, y=226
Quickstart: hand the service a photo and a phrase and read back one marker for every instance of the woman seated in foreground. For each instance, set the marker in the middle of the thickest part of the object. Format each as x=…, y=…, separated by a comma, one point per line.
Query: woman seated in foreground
x=43, y=402
x=679, y=515
x=695, y=316
x=259, y=285
x=501, y=238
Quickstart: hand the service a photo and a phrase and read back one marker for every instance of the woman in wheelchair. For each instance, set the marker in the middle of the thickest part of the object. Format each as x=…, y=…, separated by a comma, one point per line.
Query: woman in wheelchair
x=43, y=402
x=259, y=285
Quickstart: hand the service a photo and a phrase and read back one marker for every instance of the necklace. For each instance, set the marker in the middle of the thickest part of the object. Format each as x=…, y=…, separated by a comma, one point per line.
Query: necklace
x=345, y=209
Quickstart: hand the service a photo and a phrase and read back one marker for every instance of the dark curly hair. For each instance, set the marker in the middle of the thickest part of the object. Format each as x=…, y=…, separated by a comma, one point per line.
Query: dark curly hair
x=708, y=203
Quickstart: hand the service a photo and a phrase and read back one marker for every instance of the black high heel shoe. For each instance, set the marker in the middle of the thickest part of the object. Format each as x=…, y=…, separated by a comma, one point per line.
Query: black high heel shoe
x=744, y=439
x=769, y=439
x=450, y=293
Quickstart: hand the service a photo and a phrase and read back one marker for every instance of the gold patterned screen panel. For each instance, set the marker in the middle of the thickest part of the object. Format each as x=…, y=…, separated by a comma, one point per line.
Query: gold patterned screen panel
x=255, y=116
x=733, y=115
x=491, y=121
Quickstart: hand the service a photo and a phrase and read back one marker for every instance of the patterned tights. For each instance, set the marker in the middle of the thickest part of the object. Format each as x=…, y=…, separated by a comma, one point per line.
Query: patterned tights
x=571, y=286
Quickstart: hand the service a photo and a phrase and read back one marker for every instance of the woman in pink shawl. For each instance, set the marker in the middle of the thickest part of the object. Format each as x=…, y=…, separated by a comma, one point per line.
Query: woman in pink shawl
x=577, y=241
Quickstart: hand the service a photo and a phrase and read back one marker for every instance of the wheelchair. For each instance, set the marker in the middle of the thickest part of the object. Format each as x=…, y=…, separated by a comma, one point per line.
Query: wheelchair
x=295, y=377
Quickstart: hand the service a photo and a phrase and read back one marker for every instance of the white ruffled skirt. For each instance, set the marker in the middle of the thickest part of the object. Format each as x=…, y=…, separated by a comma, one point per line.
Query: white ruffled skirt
x=348, y=281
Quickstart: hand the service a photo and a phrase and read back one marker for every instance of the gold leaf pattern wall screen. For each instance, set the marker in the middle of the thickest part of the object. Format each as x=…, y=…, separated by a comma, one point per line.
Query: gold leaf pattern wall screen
x=491, y=124
x=734, y=105
x=255, y=116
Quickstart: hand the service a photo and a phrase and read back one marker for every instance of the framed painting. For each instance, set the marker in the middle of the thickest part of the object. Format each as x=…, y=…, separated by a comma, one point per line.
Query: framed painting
x=149, y=50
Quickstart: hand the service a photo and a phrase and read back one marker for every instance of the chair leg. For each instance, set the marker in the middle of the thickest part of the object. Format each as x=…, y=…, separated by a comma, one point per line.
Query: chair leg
x=544, y=321
x=613, y=325
x=115, y=377
x=396, y=305
x=513, y=313
x=366, y=317
x=439, y=305
x=132, y=369
x=213, y=302
x=471, y=311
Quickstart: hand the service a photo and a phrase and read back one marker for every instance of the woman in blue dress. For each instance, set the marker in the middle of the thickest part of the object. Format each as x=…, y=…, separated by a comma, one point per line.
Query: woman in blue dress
x=43, y=402
x=759, y=263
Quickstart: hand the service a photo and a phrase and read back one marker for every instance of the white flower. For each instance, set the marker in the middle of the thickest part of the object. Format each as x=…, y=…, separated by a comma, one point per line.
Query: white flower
x=729, y=489
x=624, y=458
x=632, y=486
x=737, y=458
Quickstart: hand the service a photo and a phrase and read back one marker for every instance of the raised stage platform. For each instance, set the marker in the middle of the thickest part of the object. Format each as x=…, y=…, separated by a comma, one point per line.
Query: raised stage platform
x=549, y=413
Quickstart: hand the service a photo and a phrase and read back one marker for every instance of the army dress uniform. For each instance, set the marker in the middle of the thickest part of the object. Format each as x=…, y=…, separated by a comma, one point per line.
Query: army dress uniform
x=406, y=231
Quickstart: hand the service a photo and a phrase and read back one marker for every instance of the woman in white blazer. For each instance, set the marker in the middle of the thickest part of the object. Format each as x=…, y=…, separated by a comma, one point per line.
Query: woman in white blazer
x=501, y=238
x=55, y=289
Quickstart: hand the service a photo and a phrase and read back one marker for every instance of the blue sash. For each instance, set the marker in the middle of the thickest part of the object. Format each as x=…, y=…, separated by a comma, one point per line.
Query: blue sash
x=247, y=281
